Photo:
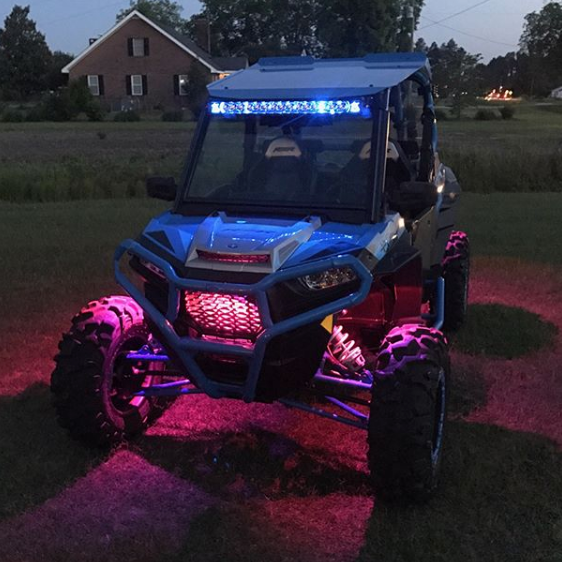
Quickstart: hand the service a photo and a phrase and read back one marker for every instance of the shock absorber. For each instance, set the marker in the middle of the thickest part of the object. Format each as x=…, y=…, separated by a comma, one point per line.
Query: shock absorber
x=344, y=350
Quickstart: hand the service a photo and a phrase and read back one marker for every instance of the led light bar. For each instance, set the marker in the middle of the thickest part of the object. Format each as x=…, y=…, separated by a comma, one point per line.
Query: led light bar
x=322, y=107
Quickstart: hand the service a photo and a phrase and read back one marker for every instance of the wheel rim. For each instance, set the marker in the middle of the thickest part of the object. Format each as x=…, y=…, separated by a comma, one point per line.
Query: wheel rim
x=439, y=419
x=128, y=377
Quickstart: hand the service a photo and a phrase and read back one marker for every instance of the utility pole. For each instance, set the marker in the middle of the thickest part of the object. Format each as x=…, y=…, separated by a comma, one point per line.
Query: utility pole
x=411, y=14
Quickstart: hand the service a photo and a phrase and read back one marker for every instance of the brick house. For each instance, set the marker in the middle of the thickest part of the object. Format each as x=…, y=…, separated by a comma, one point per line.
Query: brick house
x=141, y=64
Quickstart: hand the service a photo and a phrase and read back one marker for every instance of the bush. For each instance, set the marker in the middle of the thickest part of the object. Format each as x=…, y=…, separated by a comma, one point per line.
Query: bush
x=12, y=116
x=442, y=114
x=172, y=116
x=35, y=114
x=126, y=116
x=94, y=111
x=485, y=115
x=59, y=106
x=507, y=112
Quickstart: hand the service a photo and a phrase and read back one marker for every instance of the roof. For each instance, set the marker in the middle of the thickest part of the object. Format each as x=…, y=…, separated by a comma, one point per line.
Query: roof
x=296, y=78
x=215, y=65
x=220, y=63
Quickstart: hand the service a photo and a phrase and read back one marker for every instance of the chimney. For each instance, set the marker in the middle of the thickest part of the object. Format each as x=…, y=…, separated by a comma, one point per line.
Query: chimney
x=203, y=34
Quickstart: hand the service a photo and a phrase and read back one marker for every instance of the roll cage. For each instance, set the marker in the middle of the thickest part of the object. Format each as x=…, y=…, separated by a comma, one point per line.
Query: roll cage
x=387, y=107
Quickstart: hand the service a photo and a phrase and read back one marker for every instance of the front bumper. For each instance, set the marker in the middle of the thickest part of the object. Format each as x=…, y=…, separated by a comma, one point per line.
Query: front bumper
x=185, y=348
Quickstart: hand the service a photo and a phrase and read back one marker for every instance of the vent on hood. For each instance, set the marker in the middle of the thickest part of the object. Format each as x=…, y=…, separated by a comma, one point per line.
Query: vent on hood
x=233, y=258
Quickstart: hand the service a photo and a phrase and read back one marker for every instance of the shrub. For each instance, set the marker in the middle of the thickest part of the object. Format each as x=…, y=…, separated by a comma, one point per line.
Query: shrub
x=485, y=115
x=59, y=106
x=507, y=112
x=127, y=116
x=12, y=116
x=35, y=114
x=94, y=111
x=172, y=116
x=442, y=114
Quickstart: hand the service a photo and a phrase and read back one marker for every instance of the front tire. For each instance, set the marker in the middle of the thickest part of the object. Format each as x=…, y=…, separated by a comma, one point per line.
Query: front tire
x=456, y=272
x=408, y=413
x=93, y=383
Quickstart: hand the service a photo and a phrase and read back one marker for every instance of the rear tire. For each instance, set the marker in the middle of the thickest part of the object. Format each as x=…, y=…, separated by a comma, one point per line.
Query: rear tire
x=93, y=384
x=408, y=413
x=456, y=272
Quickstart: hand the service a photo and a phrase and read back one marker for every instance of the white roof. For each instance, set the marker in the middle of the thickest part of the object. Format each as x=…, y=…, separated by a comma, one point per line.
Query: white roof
x=124, y=21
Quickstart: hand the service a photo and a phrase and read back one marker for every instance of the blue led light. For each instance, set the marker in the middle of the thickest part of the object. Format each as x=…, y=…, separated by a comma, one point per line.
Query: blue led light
x=321, y=107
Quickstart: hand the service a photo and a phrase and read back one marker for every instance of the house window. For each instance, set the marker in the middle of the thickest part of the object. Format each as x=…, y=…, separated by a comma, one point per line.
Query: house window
x=138, y=46
x=183, y=83
x=94, y=84
x=137, y=85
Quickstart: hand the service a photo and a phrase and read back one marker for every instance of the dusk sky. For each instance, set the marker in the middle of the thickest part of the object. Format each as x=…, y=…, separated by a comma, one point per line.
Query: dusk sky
x=491, y=29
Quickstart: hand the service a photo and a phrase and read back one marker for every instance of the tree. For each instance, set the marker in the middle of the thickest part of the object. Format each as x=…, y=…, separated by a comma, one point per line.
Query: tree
x=167, y=12
x=24, y=56
x=542, y=43
x=196, y=89
x=455, y=74
x=260, y=27
x=320, y=27
x=357, y=27
x=55, y=78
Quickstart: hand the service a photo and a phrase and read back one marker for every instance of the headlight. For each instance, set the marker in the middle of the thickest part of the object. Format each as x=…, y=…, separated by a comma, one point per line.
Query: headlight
x=328, y=279
x=152, y=267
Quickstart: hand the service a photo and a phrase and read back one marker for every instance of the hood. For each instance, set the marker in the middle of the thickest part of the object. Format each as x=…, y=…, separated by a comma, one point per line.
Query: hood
x=248, y=244
x=264, y=245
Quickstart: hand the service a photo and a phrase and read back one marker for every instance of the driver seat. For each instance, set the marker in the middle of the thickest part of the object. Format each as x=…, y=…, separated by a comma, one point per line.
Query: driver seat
x=284, y=172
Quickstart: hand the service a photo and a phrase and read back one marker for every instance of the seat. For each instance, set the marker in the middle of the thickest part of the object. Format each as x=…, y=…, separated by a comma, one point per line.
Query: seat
x=283, y=172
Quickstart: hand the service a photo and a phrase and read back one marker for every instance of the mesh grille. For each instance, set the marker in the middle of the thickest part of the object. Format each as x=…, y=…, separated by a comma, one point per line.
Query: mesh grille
x=227, y=316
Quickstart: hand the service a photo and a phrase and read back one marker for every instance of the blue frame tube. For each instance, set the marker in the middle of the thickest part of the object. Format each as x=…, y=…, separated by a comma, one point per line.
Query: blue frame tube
x=186, y=348
x=440, y=312
x=139, y=356
x=323, y=413
x=347, y=408
x=352, y=384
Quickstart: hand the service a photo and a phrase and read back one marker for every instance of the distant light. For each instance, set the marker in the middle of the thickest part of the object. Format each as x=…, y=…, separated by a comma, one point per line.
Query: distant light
x=282, y=107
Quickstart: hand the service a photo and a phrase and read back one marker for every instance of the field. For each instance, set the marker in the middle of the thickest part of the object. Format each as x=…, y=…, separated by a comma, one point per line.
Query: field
x=68, y=161
x=214, y=481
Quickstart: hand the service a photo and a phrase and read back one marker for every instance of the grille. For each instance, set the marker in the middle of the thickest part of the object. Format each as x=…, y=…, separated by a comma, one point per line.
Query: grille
x=226, y=316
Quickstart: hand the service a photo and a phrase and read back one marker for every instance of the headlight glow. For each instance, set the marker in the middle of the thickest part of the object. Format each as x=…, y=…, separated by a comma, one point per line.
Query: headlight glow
x=328, y=279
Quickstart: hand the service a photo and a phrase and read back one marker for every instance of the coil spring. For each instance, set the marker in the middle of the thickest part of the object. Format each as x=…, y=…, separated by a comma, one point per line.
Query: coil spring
x=346, y=351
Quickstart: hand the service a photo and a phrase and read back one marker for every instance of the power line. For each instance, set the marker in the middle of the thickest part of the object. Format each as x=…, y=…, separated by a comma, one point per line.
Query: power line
x=455, y=14
x=470, y=34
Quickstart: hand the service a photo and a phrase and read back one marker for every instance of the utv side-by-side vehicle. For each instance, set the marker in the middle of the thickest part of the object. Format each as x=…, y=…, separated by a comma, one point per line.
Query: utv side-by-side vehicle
x=309, y=259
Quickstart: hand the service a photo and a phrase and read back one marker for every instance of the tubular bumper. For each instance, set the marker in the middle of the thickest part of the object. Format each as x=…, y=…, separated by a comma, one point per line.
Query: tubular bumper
x=186, y=348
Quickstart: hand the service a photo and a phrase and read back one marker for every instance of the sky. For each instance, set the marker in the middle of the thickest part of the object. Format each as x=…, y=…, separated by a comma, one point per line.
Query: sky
x=491, y=29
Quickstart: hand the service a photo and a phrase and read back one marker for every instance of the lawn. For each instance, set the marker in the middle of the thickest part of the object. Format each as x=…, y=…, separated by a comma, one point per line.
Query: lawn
x=215, y=481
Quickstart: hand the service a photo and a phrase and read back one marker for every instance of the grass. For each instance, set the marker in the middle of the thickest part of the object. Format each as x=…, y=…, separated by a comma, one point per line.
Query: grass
x=225, y=481
x=66, y=161
x=485, y=332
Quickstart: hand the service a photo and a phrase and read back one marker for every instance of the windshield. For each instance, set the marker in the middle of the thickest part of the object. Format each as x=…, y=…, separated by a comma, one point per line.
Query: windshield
x=304, y=161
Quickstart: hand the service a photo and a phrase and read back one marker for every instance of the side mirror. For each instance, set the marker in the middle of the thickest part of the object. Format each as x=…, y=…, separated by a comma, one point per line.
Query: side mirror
x=413, y=197
x=162, y=188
